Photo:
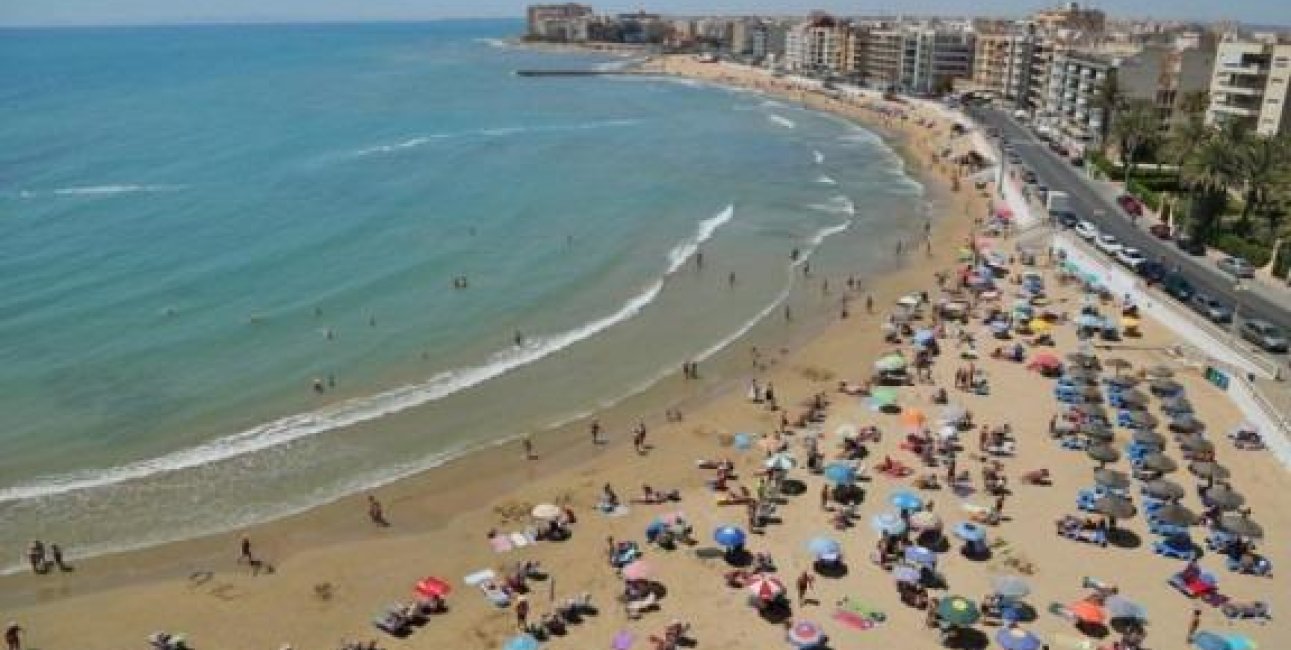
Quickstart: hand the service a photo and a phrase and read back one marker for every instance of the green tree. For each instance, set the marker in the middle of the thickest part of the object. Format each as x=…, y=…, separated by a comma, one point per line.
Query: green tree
x=1194, y=104
x=1262, y=163
x=1209, y=172
x=1111, y=99
x=1137, y=128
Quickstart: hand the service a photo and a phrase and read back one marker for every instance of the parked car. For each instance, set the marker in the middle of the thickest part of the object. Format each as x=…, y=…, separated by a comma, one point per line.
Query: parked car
x=1189, y=244
x=1065, y=219
x=1130, y=205
x=1086, y=230
x=1108, y=244
x=1178, y=286
x=1077, y=161
x=1213, y=310
x=1266, y=335
x=1236, y=266
x=1130, y=257
x=1014, y=158
x=1030, y=177
x=1160, y=230
x=1153, y=272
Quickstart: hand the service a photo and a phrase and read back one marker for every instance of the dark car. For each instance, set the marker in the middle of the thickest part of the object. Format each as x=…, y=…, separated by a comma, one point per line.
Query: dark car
x=1160, y=230
x=1266, y=335
x=1030, y=177
x=1153, y=272
x=1066, y=219
x=1178, y=286
x=1077, y=161
x=1130, y=205
x=1189, y=244
x=1213, y=310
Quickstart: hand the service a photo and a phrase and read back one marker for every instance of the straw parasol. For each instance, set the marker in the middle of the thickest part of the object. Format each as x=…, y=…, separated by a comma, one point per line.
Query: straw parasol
x=1110, y=478
x=1133, y=396
x=1103, y=453
x=1240, y=525
x=1186, y=423
x=1148, y=438
x=1098, y=432
x=1173, y=514
x=1224, y=498
x=1123, y=381
x=1160, y=371
x=1209, y=470
x=1116, y=507
x=1143, y=420
x=1165, y=386
x=1200, y=447
x=1158, y=462
x=1163, y=489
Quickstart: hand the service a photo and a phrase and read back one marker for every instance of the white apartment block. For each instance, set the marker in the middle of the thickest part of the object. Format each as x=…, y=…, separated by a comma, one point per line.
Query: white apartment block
x=1250, y=86
x=822, y=44
x=1076, y=82
x=1002, y=65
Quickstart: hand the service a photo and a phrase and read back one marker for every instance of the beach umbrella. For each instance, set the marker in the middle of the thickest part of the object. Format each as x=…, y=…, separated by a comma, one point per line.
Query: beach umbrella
x=1085, y=359
x=1191, y=440
x=1110, y=478
x=969, y=531
x=781, y=462
x=1091, y=393
x=1103, y=453
x=1040, y=325
x=921, y=555
x=925, y=520
x=881, y=398
x=1209, y=470
x=1133, y=396
x=743, y=441
x=1124, y=608
x=1198, y=446
x=912, y=418
x=905, y=500
x=953, y=413
x=1173, y=514
x=906, y=573
x=1089, y=321
x=1123, y=381
x=924, y=336
x=1240, y=525
x=1046, y=361
x=1224, y=498
x=822, y=546
x=1118, y=364
x=1098, y=432
x=957, y=610
x=840, y=474
x=1160, y=372
x=1163, y=489
x=765, y=587
x=729, y=536
x=999, y=326
x=432, y=587
x=891, y=363
x=521, y=642
x=806, y=634
x=1158, y=462
x=1016, y=638
x=547, y=511
x=1087, y=612
x=1117, y=507
x=638, y=570
x=1010, y=586
x=1148, y=438
x=886, y=523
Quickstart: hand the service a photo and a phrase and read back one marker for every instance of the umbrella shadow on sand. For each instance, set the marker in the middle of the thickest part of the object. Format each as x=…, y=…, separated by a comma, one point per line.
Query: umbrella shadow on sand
x=1123, y=538
x=776, y=612
x=792, y=487
x=968, y=638
x=830, y=569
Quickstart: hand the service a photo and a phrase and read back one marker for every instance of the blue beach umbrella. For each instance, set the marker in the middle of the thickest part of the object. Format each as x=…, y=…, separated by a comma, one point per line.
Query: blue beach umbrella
x=655, y=527
x=1122, y=607
x=840, y=474
x=969, y=531
x=1089, y=320
x=906, y=500
x=886, y=523
x=521, y=642
x=1013, y=638
x=1010, y=586
x=924, y=336
x=1210, y=641
x=822, y=546
x=1240, y=642
x=743, y=441
x=907, y=574
x=999, y=326
x=921, y=555
x=729, y=536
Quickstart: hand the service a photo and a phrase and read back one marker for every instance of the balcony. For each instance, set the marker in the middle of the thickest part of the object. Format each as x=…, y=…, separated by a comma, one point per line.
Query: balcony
x=1239, y=90
x=1238, y=111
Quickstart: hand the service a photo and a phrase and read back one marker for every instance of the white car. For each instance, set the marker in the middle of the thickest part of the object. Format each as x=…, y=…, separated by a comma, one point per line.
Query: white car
x=1130, y=257
x=1086, y=230
x=1107, y=244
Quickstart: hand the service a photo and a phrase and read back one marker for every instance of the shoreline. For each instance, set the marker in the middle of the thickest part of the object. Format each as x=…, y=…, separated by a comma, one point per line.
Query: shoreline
x=469, y=480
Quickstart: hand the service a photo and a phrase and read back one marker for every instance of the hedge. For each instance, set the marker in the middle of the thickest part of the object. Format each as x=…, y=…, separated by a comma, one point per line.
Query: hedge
x=1257, y=253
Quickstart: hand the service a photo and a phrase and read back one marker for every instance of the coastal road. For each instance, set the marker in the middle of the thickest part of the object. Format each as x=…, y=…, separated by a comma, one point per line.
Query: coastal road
x=1087, y=200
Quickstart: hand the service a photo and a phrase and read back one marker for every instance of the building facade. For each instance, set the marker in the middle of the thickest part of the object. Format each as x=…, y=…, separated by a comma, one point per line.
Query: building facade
x=1002, y=64
x=1073, y=103
x=559, y=22
x=1250, y=86
x=822, y=44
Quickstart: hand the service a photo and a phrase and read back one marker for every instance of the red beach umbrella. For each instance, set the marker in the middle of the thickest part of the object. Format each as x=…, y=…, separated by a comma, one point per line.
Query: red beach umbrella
x=766, y=588
x=432, y=587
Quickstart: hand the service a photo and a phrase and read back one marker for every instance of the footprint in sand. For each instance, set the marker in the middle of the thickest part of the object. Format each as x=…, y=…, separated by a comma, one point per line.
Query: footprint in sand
x=225, y=592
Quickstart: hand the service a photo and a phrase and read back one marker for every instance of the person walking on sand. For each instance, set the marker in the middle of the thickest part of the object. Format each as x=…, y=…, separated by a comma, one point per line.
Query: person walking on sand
x=596, y=431
x=1193, y=624
x=805, y=583
x=522, y=612
x=869, y=303
x=13, y=636
x=244, y=554
x=824, y=497
x=527, y=442
x=639, y=437
x=375, y=512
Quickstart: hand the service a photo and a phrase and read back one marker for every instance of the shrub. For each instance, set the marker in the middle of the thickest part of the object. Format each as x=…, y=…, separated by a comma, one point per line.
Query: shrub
x=1257, y=253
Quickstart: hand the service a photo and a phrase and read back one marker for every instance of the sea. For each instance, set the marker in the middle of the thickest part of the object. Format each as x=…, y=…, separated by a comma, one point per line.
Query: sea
x=223, y=249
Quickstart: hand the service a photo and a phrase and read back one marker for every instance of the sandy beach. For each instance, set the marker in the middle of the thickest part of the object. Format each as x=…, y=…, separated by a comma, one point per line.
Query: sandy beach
x=332, y=569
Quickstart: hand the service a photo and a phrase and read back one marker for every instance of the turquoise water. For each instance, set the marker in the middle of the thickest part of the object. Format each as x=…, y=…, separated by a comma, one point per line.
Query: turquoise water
x=197, y=223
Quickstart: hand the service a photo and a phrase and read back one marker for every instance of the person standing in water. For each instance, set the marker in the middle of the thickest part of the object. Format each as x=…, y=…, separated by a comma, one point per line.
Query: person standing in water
x=376, y=513
x=518, y=339
x=596, y=431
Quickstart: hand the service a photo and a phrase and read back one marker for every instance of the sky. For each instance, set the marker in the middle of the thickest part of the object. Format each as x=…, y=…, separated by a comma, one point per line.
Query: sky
x=101, y=12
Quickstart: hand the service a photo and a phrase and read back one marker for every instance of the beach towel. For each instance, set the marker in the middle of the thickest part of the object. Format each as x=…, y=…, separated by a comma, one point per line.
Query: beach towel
x=500, y=543
x=622, y=641
x=476, y=578
x=519, y=540
x=853, y=620
x=872, y=614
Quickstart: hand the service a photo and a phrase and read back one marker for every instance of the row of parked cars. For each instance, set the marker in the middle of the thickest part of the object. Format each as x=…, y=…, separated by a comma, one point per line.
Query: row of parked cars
x=1263, y=334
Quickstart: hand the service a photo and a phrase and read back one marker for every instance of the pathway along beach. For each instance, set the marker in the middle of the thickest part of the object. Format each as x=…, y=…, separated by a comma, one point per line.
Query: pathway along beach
x=333, y=568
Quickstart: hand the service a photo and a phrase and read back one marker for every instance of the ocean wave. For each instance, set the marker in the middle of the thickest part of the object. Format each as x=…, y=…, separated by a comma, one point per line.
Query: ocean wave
x=492, y=132
x=836, y=205
x=101, y=190
x=703, y=232
x=498, y=43
x=782, y=121
x=825, y=180
x=342, y=414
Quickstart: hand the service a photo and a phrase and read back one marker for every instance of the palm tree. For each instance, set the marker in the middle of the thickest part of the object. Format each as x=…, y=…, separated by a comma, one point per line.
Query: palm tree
x=1137, y=127
x=1261, y=164
x=1111, y=98
x=1209, y=172
x=1194, y=104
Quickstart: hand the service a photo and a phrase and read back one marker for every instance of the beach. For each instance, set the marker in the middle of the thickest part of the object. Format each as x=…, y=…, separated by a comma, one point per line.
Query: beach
x=332, y=568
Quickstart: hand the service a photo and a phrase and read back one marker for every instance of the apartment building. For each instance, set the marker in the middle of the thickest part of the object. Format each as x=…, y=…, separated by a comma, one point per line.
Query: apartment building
x=912, y=58
x=1164, y=75
x=559, y=22
x=1250, y=85
x=1073, y=100
x=1071, y=18
x=821, y=44
x=1002, y=64
x=877, y=55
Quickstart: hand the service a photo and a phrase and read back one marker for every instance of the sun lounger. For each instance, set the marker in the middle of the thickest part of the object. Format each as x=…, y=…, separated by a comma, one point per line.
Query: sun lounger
x=1176, y=548
x=1194, y=584
x=1071, y=528
x=474, y=579
x=1261, y=567
x=1242, y=611
x=495, y=594
x=635, y=608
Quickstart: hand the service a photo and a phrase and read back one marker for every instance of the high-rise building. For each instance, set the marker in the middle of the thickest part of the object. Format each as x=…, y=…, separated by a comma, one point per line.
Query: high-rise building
x=1250, y=86
x=1002, y=63
x=559, y=22
x=1070, y=18
x=1077, y=82
x=821, y=44
x=913, y=58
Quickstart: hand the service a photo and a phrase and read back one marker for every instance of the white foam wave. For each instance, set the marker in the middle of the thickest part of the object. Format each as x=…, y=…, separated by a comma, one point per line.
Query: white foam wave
x=495, y=42
x=825, y=180
x=106, y=190
x=836, y=205
x=492, y=132
x=343, y=414
x=826, y=233
x=703, y=232
x=782, y=121
x=820, y=157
